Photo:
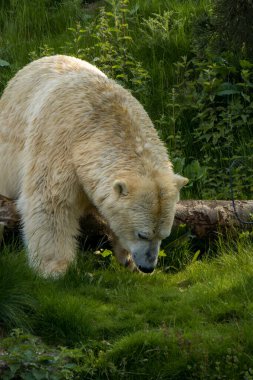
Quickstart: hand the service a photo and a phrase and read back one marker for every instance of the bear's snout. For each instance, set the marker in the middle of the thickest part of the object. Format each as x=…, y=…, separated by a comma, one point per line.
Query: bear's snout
x=145, y=269
x=145, y=257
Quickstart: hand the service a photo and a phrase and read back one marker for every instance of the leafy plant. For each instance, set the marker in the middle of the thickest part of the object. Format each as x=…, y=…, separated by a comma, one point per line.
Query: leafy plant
x=110, y=47
x=217, y=95
x=4, y=63
x=234, y=18
x=24, y=356
x=42, y=51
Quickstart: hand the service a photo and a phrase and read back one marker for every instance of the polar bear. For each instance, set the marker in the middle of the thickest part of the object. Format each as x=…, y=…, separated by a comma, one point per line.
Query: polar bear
x=72, y=141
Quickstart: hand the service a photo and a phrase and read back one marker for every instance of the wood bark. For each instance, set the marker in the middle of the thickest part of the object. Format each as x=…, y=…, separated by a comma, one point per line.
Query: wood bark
x=203, y=218
x=206, y=218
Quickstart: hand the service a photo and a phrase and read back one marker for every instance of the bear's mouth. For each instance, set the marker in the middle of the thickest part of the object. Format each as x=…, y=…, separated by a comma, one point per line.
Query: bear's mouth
x=145, y=269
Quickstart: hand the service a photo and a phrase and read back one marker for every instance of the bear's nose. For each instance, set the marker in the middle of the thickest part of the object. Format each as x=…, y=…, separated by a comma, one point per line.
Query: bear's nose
x=145, y=269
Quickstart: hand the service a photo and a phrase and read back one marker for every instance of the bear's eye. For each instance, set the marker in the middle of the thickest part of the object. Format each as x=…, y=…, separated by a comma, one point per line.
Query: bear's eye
x=143, y=236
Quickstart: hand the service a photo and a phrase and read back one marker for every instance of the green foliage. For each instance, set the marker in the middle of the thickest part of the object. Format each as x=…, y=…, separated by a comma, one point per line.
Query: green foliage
x=169, y=25
x=160, y=30
x=25, y=25
x=176, y=253
x=216, y=95
x=16, y=301
x=110, y=45
x=42, y=51
x=132, y=357
x=24, y=356
x=27, y=19
x=4, y=73
x=197, y=174
x=4, y=63
x=233, y=29
x=128, y=325
x=164, y=52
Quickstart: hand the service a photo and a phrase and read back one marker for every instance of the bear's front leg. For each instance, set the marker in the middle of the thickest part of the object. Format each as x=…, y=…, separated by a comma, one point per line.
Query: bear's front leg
x=49, y=231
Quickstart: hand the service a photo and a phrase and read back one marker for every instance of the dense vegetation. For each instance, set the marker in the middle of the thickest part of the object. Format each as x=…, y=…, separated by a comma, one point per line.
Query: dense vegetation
x=180, y=58
x=190, y=62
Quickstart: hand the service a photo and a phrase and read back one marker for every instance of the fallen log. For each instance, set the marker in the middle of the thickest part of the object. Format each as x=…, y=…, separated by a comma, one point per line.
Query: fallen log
x=203, y=218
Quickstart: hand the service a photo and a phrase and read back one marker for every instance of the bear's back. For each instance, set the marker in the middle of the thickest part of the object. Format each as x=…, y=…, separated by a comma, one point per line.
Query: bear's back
x=21, y=102
x=26, y=92
x=56, y=102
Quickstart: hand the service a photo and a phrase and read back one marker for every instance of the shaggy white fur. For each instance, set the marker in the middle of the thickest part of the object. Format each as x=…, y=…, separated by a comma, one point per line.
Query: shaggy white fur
x=72, y=140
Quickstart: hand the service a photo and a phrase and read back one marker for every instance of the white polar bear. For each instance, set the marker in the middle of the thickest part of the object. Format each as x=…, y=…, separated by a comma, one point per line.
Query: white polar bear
x=72, y=140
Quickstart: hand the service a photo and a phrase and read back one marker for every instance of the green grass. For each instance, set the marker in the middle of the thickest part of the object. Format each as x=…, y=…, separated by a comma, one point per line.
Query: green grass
x=25, y=25
x=132, y=325
x=164, y=40
x=16, y=301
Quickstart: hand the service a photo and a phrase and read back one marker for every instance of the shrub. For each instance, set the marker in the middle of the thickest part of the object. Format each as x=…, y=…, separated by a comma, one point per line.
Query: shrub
x=233, y=26
x=216, y=96
x=109, y=47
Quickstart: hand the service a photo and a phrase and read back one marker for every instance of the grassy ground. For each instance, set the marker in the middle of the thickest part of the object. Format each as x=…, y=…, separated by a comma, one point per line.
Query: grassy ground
x=191, y=319
x=195, y=324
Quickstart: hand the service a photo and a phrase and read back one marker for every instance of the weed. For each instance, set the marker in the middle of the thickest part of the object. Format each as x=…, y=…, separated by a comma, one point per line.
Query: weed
x=110, y=45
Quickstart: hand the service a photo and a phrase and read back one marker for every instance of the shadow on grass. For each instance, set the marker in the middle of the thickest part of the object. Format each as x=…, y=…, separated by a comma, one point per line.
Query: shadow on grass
x=130, y=325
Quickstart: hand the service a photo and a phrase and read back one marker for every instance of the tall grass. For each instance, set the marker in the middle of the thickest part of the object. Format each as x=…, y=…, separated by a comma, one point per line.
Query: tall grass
x=151, y=43
x=165, y=35
x=16, y=301
x=26, y=25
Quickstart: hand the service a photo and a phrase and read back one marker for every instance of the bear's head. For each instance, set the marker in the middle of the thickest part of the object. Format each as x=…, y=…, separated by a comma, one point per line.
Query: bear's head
x=140, y=211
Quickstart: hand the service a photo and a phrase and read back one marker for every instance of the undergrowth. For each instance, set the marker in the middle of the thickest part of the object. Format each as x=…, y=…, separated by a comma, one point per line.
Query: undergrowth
x=194, y=324
x=197, y=93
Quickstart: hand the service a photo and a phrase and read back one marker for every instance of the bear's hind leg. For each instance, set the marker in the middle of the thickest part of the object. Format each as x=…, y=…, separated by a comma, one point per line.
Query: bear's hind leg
x=50, y=235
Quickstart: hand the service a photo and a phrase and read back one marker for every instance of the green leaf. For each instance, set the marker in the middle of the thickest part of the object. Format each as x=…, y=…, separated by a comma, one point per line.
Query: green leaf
x=39, y=374
x=245, y=96
x=178, y=164
x=4, y=63
x=162, y=253
x=14, y=367
x=246, y=64
x=70, y=365
x=106, y=253
x=227, y=88
x=196, y=255
x=128, y=38
x=227, y=92
x=124, y=76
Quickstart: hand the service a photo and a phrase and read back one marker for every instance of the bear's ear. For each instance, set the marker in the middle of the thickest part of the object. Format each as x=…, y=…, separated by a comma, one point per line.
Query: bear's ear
x=120, y=187
x=180, y=181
